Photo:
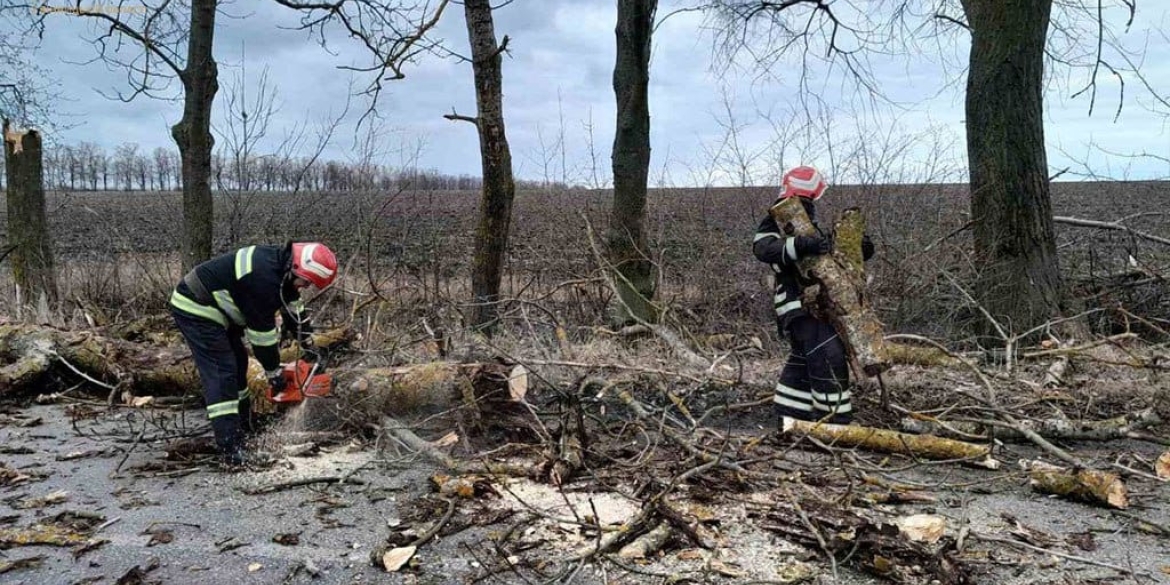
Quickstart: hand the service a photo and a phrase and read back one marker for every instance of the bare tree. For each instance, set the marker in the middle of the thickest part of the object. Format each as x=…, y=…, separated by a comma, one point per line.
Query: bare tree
x=499, y=186
x=631, y=161
x=176, y=41
x=1011, y=209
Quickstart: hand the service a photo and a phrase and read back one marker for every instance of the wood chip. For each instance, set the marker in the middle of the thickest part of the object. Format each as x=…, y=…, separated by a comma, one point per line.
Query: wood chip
x=396, y=558
x=1162, y=466
x=927, y=528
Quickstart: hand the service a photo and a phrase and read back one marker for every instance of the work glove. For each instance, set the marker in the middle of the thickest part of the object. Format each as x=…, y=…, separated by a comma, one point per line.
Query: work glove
x=867, y=247
x=276, y=380
x=812, y=246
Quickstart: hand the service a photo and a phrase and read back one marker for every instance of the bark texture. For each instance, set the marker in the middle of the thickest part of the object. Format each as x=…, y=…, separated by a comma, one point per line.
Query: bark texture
x=631, y=163
x=839, y=295
x=28, y=231
x=925, y=446
x=1015, y=245
x=499, y=186
x=1063, y=429
x=193, y=134
x=1086, y=485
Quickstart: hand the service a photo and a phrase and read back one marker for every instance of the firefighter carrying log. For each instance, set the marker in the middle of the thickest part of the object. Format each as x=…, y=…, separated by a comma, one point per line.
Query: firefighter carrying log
x=814, y=384
x=237, y=295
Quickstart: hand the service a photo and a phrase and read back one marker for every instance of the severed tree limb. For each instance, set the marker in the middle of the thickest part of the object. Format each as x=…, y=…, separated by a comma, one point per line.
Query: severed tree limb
x=1085, y=485
x=286, y=485
x=395, y=428
x=1066, y=556
x=648, y=543
x=840, y=278
x=664, y=333
x=1119, y=427
x=1109, y=225
x=926, y=446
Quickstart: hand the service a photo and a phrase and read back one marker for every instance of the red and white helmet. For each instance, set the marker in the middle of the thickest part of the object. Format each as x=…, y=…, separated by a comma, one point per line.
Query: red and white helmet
x=314, y=262
x=804, y=182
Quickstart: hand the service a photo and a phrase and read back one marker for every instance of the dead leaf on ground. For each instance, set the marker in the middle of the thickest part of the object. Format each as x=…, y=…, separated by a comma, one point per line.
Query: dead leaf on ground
x=23, y=563
x=160, y=536
x=1162, y=466
x=52, y=499
x=137, y=575
x=85, y=547
x=77, y=520
x=10, y=477
x=73, y=455
x=287, y=538
x=40, y=534
x=395, y=558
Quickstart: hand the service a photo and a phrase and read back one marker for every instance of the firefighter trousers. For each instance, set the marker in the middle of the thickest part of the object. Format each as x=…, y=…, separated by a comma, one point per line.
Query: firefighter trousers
x=222, y=363
x=814, y=384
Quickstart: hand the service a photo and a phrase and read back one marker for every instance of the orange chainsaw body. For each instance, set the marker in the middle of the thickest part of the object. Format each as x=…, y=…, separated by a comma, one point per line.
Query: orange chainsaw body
x=302, y=382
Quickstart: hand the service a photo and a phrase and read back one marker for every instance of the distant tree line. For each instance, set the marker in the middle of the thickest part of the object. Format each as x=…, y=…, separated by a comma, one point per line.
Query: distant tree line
x=89, y=167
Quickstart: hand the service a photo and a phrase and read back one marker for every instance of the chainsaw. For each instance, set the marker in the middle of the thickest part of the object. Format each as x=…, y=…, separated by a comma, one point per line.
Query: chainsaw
x=303, y=379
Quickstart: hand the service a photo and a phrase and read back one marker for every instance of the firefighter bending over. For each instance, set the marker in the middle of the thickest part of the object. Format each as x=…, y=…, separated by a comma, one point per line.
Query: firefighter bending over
x=237, y=295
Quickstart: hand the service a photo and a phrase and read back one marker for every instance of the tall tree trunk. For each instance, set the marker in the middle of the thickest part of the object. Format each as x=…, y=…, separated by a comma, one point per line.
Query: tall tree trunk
x=193, y=134
x=1015, y=245
x=499, y=186
x=28, y=231
x=631, y=162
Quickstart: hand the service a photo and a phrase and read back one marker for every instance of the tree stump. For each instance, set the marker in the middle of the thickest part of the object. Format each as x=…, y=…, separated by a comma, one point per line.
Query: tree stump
x=28, y=232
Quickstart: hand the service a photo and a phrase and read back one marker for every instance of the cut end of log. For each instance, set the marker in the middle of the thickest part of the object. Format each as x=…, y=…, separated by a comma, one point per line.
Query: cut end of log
x=518, y=383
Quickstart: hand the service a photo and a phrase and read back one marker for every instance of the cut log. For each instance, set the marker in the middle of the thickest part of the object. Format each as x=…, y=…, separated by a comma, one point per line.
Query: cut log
x=33, y=354
x=1086, y=485
x=840, y=290
x=435, y=385
x=926, y=446
x=1118, y=427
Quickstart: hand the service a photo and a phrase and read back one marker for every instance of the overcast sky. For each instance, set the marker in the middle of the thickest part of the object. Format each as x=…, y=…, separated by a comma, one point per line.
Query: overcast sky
x=557, y=81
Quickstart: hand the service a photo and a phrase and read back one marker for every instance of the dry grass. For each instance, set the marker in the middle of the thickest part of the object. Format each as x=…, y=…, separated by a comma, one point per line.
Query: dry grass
x=407, y=255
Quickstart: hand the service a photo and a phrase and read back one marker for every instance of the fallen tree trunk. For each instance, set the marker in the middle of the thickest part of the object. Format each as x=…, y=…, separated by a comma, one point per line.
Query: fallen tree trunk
x=926, y=446
x=436, y=385
x=1085, y=485
x=34, y=356
x=840, y=295
x=1118, y=427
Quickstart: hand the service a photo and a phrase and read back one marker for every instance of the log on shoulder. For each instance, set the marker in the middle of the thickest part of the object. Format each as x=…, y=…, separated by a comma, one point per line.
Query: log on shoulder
x=840, y=285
